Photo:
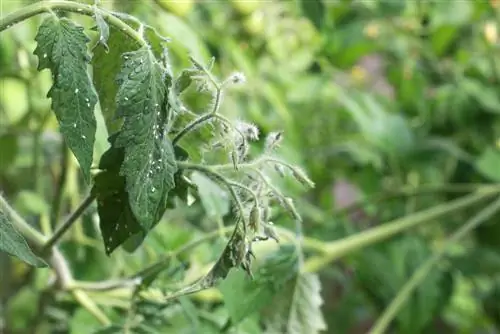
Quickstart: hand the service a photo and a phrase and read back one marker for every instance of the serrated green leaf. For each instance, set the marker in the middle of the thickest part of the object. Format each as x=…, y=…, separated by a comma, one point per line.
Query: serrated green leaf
x=149, y=164
x=105, y=67
x=244, y=296
x=297, y=309
x=214, y=199
x=13, y=243
x=62, y=48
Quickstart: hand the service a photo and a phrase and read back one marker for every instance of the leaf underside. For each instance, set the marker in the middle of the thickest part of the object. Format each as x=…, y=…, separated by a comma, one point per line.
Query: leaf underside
x=62, y=48
x=13, y=243
x=149, y=164
x=117, y=221
x=105, y=67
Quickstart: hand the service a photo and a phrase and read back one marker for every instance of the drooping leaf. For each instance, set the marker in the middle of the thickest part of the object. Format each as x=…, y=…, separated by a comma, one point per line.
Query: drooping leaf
x=103, y=29
x=214, y=199
x=244, y=296
x=62, y=48
x=105, y=67
x=13, y=243
x=117, y=221
x=235, y=254
x=149, y=165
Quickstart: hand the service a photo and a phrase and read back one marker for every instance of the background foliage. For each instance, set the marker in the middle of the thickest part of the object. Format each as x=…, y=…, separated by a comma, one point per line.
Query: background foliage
x=391, y=107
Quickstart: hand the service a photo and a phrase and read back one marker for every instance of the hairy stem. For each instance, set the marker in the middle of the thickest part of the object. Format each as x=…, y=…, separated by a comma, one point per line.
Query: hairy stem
x=227, y=183
x=337, y=249
x=421, y=273
x=68, y=6
x=69, y=221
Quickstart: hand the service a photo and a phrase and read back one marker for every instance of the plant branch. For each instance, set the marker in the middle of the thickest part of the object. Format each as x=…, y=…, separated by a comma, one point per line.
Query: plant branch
x=54, y=258
x=421, y=273
x=337, y=249
x=209, y=172
x=90, y=306
x=68, y=6
x=69, y=221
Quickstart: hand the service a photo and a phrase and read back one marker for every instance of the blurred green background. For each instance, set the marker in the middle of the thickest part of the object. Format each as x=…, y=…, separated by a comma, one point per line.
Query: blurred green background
x=392, y=104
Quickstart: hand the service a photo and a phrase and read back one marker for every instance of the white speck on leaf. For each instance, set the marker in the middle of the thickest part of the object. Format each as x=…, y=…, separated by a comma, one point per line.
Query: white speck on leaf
x=76, y=90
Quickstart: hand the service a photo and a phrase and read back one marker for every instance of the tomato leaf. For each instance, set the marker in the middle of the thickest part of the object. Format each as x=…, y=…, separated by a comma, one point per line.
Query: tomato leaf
x=62, y=48
x=149, y=164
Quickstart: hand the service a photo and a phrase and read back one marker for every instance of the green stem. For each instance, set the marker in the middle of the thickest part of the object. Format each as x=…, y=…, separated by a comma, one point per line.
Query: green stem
x=421, y=273
x=227, y=183
x=69, y=6
x=337, y=249
x=69, y=221
x=411, y=191
x=191, y=126
x=90, y=306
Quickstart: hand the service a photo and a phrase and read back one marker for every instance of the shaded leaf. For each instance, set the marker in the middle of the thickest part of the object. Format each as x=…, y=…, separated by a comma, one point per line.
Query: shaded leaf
x=13, y=243
x=117, y=221
x=105, y=67
x=103, y=29
x=62, y=48
x=214, y=199
x=149, y=165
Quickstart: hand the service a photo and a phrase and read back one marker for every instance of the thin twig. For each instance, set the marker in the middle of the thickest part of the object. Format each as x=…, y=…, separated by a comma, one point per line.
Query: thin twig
x=69, y=221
